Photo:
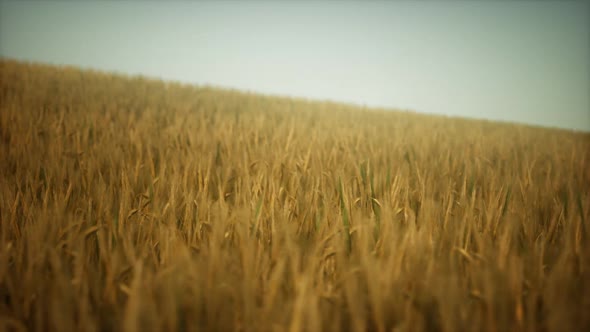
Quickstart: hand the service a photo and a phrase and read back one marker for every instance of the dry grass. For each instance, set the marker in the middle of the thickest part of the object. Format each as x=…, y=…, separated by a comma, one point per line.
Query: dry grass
x=136, y=205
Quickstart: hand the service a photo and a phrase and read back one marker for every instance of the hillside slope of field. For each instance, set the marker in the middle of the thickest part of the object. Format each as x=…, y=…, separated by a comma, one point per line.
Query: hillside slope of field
x=139, y=205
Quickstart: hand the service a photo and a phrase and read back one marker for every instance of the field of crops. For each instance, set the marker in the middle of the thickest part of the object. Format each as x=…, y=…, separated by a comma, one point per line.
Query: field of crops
x=140, y=205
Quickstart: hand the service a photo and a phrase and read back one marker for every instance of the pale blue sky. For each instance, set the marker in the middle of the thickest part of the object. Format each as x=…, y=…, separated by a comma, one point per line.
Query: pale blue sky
x=513, y=61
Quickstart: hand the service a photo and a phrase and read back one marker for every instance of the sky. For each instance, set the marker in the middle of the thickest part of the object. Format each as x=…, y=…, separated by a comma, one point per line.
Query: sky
x=524, y=62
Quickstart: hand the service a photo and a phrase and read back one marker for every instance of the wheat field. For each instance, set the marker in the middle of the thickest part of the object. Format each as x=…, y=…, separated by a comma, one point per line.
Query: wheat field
x=130, y=204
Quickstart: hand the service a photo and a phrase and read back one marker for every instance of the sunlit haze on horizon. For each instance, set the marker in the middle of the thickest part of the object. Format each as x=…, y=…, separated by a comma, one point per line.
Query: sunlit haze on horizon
x=524, y=62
